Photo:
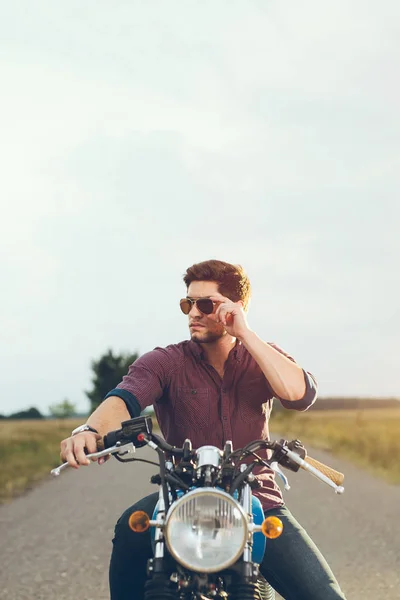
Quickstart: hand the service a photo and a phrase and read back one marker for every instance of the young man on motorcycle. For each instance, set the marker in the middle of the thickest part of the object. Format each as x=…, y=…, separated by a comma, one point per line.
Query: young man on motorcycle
x=217, y=386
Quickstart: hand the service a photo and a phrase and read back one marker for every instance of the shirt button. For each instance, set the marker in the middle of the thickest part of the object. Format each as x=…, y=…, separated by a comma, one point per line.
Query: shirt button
x=225, y=418
x=223, y=390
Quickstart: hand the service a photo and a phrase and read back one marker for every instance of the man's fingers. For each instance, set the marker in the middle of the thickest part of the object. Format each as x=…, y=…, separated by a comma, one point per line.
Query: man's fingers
x=224, y=315
x=97, y=445
x=220, y=314
x=67, y=454
x=79, y=450
x=226, y=302
x=91, y=440
x=228, y=318
x=75, y=448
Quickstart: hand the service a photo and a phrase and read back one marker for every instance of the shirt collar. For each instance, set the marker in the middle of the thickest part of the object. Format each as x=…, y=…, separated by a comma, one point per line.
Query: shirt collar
x=238, y=350
x=198, y=351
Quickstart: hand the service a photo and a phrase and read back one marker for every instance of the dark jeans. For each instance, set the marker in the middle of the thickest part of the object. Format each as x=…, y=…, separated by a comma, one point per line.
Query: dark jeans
x=292, y=564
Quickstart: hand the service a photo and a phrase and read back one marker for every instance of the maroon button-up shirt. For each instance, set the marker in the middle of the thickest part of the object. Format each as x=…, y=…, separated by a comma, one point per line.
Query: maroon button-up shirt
x=192, y=401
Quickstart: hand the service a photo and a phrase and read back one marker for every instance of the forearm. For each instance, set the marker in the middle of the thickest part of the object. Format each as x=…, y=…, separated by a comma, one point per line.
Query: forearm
x=285, y=377
x=109, y=415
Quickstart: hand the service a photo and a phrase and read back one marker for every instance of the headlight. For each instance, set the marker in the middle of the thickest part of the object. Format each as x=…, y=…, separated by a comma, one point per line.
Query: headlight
x=206, y=530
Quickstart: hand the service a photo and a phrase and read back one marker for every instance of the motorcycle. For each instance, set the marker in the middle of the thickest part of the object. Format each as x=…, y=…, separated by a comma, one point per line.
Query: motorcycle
x=208, y=529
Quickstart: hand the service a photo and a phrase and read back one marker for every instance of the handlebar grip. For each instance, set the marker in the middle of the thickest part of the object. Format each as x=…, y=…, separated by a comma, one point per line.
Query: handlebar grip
x=333, y=475
x=110, y=439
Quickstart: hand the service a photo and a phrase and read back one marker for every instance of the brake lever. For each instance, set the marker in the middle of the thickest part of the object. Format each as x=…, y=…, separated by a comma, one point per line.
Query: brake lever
x=120, y=449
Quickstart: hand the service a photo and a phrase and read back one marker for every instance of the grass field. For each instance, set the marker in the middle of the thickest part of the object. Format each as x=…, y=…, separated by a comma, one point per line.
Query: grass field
x=369, y=438
x=28, y=450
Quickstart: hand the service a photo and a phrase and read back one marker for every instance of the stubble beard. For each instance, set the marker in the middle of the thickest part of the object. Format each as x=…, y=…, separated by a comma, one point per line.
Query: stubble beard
x=208, y=337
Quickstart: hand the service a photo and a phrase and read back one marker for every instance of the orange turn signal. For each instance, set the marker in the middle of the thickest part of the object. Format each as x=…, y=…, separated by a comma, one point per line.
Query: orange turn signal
x=139, y=521
x=272, y=527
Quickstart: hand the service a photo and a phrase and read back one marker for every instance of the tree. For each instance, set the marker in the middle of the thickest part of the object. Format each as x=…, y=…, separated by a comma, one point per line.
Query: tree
x=62, y=410
x=31, y=413
x=108, y=372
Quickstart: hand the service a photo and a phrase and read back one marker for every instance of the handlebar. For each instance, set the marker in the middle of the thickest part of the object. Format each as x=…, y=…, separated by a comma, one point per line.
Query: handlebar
x=120, y=450
x=333, y=475
x=137, y=432
x=322, y=472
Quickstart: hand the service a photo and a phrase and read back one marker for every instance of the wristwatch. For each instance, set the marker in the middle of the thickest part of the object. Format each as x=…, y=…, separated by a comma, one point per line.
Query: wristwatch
x=82, y=428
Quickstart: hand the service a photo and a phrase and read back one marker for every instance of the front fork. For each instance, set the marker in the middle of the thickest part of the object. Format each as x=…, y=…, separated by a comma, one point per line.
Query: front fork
x=159, y=585
x=247, y=507
x=249, y=584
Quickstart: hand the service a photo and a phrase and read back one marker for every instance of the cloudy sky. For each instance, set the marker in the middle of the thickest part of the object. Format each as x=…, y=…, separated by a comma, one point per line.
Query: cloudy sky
x=140, y=137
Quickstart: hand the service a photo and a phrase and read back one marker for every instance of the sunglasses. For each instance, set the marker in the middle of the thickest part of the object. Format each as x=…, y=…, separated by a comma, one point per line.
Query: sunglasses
x=204, y=305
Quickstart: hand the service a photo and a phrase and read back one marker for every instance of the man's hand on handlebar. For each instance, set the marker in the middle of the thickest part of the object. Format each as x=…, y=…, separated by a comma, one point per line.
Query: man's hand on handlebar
x=75, y=448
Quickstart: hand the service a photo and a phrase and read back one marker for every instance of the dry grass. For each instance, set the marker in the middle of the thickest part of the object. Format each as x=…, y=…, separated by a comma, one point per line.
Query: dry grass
x=370, y=437
x=28, y=451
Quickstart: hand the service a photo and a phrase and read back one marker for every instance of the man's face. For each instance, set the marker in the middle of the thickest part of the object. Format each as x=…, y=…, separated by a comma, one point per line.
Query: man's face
x=203, y=328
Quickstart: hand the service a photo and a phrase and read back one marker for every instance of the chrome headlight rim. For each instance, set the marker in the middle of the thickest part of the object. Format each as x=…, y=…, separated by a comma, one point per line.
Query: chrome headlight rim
x=218, y=494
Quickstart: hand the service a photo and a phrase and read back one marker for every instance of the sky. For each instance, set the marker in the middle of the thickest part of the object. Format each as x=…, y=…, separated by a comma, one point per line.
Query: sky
x=138, y=138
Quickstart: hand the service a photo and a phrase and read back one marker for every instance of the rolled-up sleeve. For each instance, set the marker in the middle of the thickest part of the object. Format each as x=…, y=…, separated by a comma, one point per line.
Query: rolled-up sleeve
x=311, y=393
x=146, y=380
x=309, y=397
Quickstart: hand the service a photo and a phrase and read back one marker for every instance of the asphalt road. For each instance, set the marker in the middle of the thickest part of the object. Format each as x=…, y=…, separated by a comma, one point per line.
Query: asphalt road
x=56, y=540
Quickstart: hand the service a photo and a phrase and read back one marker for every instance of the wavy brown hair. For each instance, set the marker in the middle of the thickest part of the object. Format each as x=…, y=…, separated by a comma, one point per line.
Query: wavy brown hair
x=231, y=279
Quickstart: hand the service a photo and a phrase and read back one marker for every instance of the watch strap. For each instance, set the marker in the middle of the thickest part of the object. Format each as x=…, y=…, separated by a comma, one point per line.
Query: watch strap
x=83, y=428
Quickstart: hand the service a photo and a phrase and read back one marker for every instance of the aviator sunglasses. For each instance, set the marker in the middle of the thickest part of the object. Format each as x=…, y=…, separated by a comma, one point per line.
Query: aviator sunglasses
x=204, y=305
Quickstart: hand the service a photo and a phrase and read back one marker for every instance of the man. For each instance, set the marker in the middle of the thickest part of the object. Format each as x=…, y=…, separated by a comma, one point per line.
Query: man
x=215, y=387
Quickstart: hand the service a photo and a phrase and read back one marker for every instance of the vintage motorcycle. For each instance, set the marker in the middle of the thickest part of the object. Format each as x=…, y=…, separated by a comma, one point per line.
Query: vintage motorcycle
x=208, y=529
